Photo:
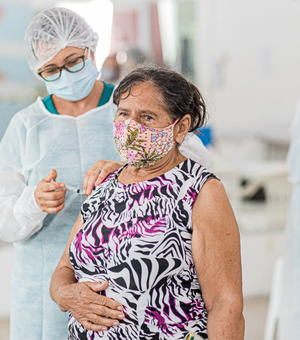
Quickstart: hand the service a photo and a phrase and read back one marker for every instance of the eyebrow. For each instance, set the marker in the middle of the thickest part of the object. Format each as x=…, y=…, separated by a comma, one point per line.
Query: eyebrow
x=140, y=111
x=69, y=56
x=149, y=112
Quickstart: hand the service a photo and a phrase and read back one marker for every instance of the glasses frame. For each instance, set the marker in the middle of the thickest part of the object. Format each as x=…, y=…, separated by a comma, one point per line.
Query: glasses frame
x=63, y=67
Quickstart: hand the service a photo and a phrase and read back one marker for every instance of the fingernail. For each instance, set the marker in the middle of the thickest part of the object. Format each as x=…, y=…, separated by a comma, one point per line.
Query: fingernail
x=62, y=185
x=121, y=316
x=116, y=323
x=104, y=328
x=120, y=308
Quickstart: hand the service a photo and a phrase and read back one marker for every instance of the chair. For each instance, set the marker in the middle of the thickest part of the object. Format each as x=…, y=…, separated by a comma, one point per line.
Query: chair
x=278, y=192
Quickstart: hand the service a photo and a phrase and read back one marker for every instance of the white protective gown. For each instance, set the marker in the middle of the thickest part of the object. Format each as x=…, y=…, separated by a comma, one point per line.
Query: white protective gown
x=35, y=142
x=289, y=321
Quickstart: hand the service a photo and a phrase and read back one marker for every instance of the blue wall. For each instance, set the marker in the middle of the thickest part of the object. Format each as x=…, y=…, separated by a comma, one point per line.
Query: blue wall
x=15, y=75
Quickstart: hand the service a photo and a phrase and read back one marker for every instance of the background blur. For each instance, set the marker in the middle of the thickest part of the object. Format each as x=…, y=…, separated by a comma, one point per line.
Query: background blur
x=245, y=58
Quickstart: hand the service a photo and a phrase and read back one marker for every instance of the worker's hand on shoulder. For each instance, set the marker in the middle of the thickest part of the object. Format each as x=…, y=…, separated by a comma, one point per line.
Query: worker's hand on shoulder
x=98, y=172
x=50, y=195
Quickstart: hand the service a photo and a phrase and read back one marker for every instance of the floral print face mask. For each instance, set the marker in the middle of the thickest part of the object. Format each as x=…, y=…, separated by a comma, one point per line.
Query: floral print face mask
x=142, y=146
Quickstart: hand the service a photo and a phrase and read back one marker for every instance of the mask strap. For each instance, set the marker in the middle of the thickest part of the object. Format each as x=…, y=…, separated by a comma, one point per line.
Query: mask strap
x=88, y=52
x=176, y=121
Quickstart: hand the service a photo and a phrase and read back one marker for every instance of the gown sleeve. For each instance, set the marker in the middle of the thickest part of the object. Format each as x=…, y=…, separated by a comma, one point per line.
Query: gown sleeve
x=288, y=323
x=293, y=159
x=192, y=147
x=20, y=216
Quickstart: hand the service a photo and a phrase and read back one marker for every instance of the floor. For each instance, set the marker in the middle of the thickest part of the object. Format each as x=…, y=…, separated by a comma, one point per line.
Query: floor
x=255, y=311
x=4, y=329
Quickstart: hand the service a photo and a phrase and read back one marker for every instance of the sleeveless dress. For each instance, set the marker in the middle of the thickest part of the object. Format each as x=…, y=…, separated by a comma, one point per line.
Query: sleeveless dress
x=138, y=237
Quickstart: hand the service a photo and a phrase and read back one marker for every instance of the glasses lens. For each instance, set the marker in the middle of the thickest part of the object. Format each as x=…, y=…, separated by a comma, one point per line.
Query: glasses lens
x=75, y=65
x=51, y=74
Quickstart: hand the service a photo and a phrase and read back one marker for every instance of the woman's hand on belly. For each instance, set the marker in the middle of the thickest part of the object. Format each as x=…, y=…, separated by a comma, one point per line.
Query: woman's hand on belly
x=95, y=312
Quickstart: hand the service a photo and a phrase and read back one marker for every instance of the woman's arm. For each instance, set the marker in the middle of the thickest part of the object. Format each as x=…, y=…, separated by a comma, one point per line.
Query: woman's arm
x=216, y=254
x=95, y=312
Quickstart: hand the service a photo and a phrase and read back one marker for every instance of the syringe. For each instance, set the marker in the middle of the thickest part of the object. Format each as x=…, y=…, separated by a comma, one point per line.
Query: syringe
x=78, y=191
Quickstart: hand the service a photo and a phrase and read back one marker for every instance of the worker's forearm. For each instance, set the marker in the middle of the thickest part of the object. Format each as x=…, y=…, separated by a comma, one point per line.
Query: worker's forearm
x=20, y=215
x=61, y=278
x=225, y=322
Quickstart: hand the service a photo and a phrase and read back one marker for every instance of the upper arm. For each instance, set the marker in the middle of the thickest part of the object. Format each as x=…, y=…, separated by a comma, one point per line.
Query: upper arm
x=64, y=261
x=216, y=246
x=13, y=146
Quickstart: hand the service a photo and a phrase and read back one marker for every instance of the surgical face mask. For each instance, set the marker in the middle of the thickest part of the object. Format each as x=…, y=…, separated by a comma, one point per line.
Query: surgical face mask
x=74, y=86
x=142, y=146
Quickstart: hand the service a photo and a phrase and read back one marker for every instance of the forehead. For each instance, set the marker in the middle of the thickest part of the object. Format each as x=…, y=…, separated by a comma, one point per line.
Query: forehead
x=142, y=93
x=62, y=54
x=144, y=98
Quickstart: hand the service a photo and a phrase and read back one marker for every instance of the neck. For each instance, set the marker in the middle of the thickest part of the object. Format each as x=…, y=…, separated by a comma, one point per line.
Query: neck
x=77, y=108
x=131, y=174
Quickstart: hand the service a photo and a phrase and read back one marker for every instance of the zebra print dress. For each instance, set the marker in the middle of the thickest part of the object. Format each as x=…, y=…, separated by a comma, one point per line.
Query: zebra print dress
x=138, y=237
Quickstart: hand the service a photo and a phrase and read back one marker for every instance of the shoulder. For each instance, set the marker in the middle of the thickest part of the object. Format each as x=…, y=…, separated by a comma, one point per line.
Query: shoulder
x=107, y=111
x=212, y=203
x=198, y=172
x=107, y=183
x=100, y=194
x=108, y=180
x=18, y=120
x=214, y=188
x=110, y=87
x=32, y=112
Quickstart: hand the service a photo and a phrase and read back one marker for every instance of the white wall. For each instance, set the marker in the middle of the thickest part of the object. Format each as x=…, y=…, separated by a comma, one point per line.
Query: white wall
x=250, y=58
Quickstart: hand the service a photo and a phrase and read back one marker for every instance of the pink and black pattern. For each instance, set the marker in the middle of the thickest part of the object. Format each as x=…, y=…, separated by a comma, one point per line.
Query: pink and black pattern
x=138, y=237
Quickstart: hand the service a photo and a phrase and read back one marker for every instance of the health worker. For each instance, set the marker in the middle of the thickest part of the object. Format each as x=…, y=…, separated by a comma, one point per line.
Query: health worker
x=66, y=132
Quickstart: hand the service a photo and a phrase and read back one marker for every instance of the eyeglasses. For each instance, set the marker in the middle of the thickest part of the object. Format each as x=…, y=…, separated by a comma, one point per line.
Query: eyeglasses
x=72, y=66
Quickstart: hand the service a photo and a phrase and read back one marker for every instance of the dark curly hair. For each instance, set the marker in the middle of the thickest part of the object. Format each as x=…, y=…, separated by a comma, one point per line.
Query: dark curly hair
x=180, y=97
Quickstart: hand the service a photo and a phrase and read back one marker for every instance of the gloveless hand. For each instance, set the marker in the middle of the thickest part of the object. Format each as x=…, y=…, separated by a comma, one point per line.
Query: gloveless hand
x=50, y=195
x=95, y=312
x=98, y=172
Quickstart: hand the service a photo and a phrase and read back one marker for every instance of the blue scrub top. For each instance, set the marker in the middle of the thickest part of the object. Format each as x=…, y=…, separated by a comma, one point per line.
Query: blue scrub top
x=106, y=94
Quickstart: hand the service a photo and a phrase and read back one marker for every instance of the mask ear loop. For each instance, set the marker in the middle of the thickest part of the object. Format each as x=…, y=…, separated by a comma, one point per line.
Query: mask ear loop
x=176, y=121
x=93, y=61
x=173, y=127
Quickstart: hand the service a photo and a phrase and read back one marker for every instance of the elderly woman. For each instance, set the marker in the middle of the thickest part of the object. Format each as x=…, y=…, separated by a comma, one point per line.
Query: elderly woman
x=159, y=234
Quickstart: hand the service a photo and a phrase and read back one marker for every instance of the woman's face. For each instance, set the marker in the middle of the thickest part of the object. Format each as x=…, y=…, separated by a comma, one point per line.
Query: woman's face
x=144, y=105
